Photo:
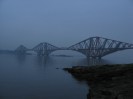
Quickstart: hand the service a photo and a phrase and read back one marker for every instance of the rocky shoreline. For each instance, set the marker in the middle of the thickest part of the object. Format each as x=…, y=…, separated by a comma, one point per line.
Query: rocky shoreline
x=106, y=81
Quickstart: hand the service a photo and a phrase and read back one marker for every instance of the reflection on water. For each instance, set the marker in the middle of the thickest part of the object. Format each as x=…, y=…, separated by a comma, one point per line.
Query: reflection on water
x=38, y=76
x=21, y=58
x=92, y=62
x=42, y=60
x=95, y=61
x=34, y=76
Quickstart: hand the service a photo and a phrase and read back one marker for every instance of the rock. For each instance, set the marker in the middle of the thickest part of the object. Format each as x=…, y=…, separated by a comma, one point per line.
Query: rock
x=107, y=81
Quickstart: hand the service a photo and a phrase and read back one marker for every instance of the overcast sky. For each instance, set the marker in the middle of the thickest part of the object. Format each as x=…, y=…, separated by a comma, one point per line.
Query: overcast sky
x=63, y=22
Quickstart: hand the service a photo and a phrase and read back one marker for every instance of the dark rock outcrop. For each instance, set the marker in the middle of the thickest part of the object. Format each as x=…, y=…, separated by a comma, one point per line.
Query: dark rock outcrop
x=107, y=81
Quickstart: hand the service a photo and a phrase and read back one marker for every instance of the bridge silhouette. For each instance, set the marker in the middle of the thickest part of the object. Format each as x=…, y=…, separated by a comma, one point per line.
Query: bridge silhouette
x=93, y=47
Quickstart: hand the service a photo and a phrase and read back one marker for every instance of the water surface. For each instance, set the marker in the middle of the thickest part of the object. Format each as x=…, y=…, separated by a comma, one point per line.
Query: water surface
x=32, y=76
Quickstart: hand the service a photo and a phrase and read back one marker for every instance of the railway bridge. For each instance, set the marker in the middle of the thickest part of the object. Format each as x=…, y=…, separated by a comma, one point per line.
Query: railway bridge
x=95, y=47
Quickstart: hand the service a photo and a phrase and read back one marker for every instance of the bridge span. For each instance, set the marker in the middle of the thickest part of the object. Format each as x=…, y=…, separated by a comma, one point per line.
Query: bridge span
x=95, y=47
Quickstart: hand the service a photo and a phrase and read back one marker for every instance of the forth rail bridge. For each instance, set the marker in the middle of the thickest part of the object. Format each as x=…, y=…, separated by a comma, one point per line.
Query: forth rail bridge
x=93, y=47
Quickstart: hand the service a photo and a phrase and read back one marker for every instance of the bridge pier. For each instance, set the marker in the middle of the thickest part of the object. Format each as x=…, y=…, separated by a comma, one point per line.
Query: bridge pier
x=20, y=52
x=42, y=53
x=44, y=49
x=97, y=57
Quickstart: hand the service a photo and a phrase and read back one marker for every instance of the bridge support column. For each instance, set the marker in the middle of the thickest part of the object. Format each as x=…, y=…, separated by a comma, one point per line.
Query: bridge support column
x=42, y=53
x=20, y=52
x=97, y=57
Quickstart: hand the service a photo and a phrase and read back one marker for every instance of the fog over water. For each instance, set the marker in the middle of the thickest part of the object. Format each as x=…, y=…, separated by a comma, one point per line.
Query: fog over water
x=63, y=22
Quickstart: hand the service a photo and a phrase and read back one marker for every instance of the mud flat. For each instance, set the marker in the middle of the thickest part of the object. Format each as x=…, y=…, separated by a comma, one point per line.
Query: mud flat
x=106, y=81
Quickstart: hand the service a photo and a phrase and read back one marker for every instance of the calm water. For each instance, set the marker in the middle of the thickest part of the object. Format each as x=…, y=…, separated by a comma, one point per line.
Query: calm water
x=36, y=77
x=61, y=23
x=33, y=77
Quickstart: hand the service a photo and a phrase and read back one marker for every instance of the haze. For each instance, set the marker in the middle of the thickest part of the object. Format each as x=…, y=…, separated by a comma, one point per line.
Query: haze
x=63, y=22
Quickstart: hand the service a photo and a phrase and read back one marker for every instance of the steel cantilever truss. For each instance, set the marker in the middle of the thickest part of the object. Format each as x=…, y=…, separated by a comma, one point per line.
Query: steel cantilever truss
x=92, y=47
x=98, y=47
x=45, y=48
x=21, y=50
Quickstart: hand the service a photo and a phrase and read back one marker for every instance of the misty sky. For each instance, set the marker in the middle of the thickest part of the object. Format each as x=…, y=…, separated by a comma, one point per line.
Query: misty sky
x=63, y=22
